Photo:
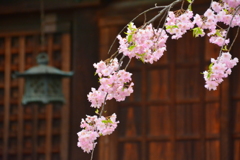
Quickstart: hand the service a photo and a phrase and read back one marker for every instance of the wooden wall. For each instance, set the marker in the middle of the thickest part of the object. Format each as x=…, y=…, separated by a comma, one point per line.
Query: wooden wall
x=171, y=116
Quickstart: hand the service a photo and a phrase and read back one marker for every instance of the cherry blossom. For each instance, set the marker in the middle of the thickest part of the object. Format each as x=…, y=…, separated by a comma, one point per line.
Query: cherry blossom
x=232, y=3
x=146, y=44
x=177, y=25
x=93, y=127
x=218, y=70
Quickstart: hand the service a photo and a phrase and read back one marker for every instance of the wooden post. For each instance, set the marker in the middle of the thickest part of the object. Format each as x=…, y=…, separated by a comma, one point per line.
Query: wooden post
x=20, y=93
x=7, y=79
x=225, y=121
x=48, y=151
x=66, y=52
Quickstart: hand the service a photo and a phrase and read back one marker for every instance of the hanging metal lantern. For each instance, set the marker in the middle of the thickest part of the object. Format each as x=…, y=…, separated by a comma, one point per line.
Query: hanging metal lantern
x=43, y=83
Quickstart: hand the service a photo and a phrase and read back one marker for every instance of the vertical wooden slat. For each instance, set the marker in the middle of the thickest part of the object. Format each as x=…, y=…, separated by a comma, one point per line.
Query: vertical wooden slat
x=225, y=122
x=171, y=51
x=144, y=114
x=202, y=101
x=103, y=43
x=48, y=151
x=7, y=79
x=35, y=131
x=66, y=54
x=20, y=93
x=108, y=148
x=50, y=48
x=49, y=107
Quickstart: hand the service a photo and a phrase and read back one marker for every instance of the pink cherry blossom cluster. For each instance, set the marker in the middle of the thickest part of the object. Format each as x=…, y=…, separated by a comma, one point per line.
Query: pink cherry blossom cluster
x=218, y=70
x=209, y=21
x=218, y=13
x=218, y=37
x=177, y=25
x=224, y=13
x=114, y=83
x=232, y=3
x=93, y=127
x=146, y=44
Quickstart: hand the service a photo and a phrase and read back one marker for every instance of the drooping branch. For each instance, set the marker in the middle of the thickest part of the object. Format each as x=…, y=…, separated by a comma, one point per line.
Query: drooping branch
x=164, y=8
x=234, y=39
x=228, y=29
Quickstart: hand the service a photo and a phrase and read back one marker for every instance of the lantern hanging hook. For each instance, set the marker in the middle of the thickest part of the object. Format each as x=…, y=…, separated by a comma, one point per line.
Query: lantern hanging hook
x=42, y=18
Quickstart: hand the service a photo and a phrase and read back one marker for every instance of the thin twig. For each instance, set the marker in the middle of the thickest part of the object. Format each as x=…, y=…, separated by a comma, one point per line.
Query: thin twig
x=161, y=20
x=120, y=62
x=234, y=40
x=92, y=152
x=237, y=8
x=114, y=54
x=182, y=4
x=128, y=64
x=103, y=106
x=164, y=23
x=155, y=17
x=145, y=18
x=162, y=11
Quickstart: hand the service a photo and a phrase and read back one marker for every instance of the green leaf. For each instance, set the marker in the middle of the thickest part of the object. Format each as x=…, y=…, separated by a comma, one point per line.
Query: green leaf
x=225, y=48
x=107, y=121
x=97, y=111
x=104, y=121
x=141, y=56
x=130, y=48
x=210, y=66
x=197, y=31
x=225, y=10
x=190, y=7
x=171, y=26
x=210, y=70
x=130, y=27
x=99, y=78
x=130, y=37
x=142, y=60
x=218, y=33
x=189, y=1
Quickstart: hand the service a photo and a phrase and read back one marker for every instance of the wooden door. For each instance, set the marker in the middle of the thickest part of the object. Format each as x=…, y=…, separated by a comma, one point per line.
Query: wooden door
x=32, y=132
x=171, y=116
x=234, y=108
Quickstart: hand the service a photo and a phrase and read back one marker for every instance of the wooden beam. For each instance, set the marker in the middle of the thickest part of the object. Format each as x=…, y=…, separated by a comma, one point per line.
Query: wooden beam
x=33, y=6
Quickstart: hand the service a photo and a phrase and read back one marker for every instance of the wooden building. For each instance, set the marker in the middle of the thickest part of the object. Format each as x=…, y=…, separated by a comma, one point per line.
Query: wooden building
x=170, y=116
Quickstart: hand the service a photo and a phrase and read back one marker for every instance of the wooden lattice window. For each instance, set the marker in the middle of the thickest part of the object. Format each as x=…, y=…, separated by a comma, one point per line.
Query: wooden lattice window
x=32, y=132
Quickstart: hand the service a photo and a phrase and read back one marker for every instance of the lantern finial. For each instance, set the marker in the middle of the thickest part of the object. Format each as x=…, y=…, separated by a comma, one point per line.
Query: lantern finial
x=42, y=58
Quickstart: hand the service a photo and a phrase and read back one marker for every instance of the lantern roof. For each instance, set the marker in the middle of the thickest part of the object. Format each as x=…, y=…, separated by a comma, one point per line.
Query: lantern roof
x=43, y=69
